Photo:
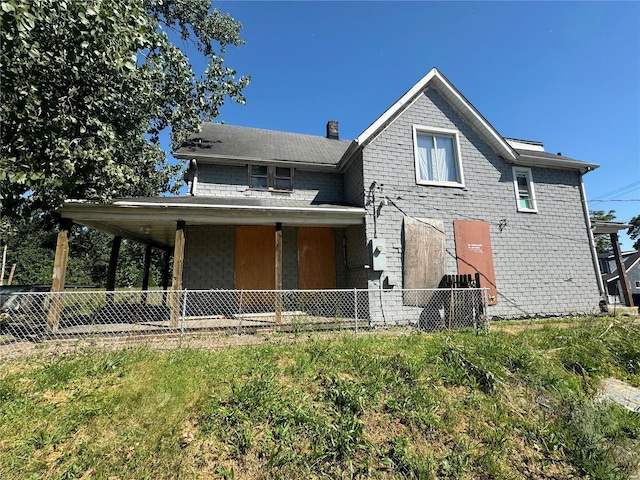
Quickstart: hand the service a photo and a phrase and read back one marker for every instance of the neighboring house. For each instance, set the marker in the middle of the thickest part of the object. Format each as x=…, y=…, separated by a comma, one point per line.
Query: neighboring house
x=611, y=279
x=429, y=188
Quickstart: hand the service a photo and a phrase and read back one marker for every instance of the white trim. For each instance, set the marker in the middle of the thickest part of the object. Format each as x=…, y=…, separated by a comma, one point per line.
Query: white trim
x=530, y=159
x=525, y=145
x=392, y=121
x=530, y=185
x=455, y=135
x=393, y=109
x=462, y=104
x=89, y=209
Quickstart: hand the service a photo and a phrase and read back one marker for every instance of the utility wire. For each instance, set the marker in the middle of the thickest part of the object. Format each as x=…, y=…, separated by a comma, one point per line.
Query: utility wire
x=619, y=191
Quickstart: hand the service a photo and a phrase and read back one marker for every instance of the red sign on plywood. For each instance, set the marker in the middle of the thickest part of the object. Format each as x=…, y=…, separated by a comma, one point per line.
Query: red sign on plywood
x=473, y=253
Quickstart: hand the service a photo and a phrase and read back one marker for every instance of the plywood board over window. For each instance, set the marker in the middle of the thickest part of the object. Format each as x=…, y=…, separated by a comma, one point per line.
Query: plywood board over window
x=474, y=253
x=316, y=258
x=423, y=256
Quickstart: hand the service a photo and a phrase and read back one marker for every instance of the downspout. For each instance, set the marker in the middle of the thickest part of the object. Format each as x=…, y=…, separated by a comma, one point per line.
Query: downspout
x=194, y=177
x=592, y=243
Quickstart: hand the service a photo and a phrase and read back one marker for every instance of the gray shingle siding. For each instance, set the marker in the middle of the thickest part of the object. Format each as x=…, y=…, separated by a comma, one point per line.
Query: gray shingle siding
x=353, y=181
x=232, y=181
x=542, y=260
x=289, y=258
x=357, y=256
x=209, y=258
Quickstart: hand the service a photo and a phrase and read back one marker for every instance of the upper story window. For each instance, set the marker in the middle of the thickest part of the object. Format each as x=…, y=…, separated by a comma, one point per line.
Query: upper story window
x=604, y=266
x=525, y=193
x=437, y=157
x=270, y=177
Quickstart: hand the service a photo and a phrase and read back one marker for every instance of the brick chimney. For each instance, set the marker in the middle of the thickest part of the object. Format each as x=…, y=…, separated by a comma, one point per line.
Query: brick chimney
x=332, y=130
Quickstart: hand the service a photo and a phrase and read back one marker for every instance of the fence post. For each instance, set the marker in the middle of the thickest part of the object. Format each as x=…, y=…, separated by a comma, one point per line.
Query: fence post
x=182, y=317
x=415, y=292
x=239, y=314
x=485, y=306
x=355, y=303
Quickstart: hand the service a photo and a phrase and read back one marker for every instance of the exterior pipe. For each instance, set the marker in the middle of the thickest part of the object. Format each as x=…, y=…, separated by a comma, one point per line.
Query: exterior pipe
x=194, y=178
x=592, y=244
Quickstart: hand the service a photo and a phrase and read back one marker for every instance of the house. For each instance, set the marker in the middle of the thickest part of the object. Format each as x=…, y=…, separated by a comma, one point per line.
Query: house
x=429, y=188
x=611, y=278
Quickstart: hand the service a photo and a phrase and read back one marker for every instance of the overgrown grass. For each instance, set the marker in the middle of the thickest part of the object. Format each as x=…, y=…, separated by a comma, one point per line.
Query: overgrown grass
x=459, y=405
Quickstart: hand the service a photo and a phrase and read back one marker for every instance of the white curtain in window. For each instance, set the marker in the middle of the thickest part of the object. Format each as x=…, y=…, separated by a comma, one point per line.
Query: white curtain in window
x=446, y=170
x=425, y=157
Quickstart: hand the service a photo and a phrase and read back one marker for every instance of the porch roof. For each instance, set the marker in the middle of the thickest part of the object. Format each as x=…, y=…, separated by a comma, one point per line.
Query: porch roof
x=152, y=220
x=600, y=227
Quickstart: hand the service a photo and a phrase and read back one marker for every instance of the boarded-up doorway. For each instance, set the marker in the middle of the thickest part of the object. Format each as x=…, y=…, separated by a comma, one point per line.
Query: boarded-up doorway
x=316, y=258
x=255, y=260
x=474, y=254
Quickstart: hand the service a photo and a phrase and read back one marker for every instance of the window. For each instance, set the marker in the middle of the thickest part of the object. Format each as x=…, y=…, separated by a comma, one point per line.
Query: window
x=525, y=194
x=270, y=177
x=637, y=284
x=437, y=157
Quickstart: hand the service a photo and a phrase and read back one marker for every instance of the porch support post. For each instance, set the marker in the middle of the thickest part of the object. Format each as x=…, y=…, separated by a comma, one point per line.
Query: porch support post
x=59, y=273
x=178, y=264
x=278, y=273
x=165, y=275
x=622, y=274
x=113, y=266
x=145, y=275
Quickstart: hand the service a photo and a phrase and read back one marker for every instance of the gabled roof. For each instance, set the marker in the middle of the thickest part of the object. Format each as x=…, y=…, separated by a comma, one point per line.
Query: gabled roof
x=629, y=262
x=456, y=99
x=227, y=142
x=530, y=153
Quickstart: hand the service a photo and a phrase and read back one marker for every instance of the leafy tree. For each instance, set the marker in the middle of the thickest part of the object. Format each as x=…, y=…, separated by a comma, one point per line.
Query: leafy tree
x=89, y=252
x=634, y=231
x=603, y=242
x=87, y=87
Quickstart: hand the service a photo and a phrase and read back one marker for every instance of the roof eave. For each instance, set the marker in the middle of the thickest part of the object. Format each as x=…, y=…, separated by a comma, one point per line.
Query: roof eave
x=602, y=228
x=236, y=159
x=88, y=210
x=561, y=163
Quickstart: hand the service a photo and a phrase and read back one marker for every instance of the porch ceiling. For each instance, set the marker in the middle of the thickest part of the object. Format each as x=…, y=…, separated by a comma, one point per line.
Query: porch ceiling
x=153, y=220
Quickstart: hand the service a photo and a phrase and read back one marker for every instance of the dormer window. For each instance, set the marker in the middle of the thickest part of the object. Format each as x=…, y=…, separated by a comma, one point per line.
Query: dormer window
x=437, y=157
x=270, y=177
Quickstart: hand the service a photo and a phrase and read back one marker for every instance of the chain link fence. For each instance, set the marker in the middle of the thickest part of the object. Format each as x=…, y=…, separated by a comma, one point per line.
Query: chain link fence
x=174, y=318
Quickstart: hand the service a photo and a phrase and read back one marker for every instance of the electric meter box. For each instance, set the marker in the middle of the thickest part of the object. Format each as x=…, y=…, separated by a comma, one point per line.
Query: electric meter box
x=378, y=254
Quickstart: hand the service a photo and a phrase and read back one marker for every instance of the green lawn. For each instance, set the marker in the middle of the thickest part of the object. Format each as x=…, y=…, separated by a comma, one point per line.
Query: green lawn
x=459, y=405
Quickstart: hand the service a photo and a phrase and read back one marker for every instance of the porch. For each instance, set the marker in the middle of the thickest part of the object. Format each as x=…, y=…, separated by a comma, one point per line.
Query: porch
x=224, y=243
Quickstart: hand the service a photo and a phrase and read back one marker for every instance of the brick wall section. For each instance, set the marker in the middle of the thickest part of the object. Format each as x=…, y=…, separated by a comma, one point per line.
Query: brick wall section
x=542, y=260
x=232, y=181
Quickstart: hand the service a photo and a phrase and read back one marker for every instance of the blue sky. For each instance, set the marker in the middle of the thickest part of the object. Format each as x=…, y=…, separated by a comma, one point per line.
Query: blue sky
x=567, y=74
